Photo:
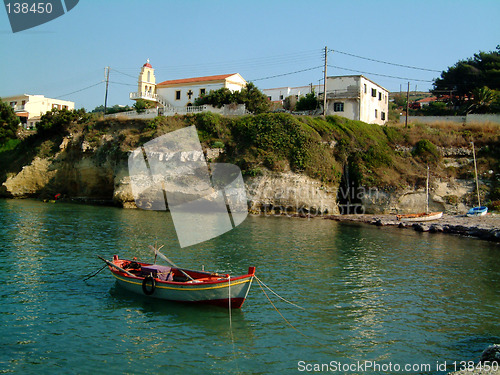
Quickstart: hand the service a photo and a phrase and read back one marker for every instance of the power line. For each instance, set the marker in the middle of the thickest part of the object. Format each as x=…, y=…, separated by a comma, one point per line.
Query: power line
x=125, y=74
x=74, y=92
x=386, y=62
x=381, y=75
x=286, y=74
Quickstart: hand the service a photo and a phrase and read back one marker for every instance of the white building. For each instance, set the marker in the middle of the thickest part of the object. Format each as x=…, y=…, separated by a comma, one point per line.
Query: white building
x=357, y=98
x=181, y=92
x=278, y=94
x=29, y=108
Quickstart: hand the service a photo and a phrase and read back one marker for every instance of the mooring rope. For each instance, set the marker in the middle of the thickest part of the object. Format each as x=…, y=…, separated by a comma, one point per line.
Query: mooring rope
x=277, y=295
x=290, y=324
x=231, y=324
x=88, y=277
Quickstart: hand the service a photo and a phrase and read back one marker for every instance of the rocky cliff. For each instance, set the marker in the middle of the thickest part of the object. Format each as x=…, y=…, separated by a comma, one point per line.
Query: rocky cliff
x=90, y=164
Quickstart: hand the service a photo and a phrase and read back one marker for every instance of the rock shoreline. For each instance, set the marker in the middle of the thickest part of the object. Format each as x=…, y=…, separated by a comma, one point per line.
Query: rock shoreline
x=483, y=227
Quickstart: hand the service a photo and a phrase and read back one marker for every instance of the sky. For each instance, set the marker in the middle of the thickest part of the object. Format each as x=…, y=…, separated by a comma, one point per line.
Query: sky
x=285, y=40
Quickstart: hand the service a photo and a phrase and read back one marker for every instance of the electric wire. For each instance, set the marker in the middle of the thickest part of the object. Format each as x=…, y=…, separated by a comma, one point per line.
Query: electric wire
x=286, y=74
x=381, y=75
x=384, y=62
x=74, y=92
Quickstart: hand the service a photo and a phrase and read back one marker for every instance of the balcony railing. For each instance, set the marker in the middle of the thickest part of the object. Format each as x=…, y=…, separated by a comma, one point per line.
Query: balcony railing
x=342, y=94
x=144, y=95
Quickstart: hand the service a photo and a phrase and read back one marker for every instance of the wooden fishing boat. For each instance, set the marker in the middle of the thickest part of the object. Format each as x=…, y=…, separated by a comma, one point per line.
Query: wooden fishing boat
x=177, y=284
x=424, y=216
x=478, y=211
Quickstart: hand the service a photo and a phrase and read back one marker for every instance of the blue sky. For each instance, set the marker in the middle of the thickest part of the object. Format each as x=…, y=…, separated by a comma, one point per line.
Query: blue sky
x=257, y=39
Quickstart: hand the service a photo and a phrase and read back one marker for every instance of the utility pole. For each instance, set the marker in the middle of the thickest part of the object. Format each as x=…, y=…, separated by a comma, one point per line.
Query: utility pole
x=407, y=104
x=324, y=83
x=106, y=74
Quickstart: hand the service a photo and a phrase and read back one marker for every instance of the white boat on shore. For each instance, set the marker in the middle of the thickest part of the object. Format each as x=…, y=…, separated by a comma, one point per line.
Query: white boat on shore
x=424, y=216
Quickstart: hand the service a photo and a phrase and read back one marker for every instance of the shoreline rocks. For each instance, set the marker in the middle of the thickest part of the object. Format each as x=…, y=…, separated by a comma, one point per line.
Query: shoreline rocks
x=483, y=227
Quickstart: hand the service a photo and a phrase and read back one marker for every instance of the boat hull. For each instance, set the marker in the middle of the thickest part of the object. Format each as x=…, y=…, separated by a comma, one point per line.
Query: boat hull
x=478, y=211
x=421, y=217
x=222, y=291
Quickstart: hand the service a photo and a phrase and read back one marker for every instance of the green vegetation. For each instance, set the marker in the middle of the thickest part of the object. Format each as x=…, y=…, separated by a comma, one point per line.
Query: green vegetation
x=308, y=102
x=476, y=78
x=255, y=101
x=9, y=123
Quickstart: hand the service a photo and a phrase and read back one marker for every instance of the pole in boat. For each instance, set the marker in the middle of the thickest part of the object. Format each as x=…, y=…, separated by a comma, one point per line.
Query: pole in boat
x=427, y=192
x=475, y=172
x=157, y=251
x=115, y=266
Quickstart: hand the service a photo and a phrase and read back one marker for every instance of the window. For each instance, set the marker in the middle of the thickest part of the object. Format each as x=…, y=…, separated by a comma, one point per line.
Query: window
x=379, y=96
x=376, y=114
x=281, y=97
x=338, y=107
x=149, y=76
x=382, y=116
x=374, y=93
x=202, y=92
x=178, y=95
x=13, y=104
x=269, y=98
x=365, y=87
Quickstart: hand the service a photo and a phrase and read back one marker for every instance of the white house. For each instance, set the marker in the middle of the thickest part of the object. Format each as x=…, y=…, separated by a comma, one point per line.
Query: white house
x=29, y=108
x=278, y=94
x=357, y=98
x=181, y=92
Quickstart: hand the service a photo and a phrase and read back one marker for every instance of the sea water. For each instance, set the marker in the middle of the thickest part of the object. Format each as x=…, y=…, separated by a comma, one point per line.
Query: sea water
x=374, y=300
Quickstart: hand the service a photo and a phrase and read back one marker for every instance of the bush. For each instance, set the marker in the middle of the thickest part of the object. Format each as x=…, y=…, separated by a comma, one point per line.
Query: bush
x=426, y=151
x=56, y=122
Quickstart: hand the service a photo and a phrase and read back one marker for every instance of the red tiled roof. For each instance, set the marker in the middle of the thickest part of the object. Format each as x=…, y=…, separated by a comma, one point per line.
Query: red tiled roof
x=196, y=79
x=429, y=99
x=147, y=65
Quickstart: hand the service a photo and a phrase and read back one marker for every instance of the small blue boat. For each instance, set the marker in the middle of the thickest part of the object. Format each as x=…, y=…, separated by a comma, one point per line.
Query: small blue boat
x=478, y=211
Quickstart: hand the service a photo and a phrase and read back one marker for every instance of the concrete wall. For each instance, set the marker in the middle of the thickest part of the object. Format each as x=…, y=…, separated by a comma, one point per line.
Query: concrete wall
x=470, y=118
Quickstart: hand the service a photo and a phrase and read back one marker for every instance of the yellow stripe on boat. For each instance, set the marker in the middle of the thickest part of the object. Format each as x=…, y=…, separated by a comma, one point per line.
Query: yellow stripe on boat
x=161, y=286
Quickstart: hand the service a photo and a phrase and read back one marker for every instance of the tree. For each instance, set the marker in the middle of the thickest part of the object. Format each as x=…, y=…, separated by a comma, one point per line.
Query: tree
x=482, y=99
x=254, y=99
x=140, y=105
x=307, y=102
x=9, y=123
x=483, y=69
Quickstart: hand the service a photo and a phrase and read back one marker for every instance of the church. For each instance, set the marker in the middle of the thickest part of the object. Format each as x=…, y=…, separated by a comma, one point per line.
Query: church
x=181, y=92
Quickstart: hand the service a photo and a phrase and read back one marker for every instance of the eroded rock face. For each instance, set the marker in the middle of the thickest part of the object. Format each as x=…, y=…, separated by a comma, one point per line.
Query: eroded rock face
x=30, y=180
x=443, y=196
x=290, y=193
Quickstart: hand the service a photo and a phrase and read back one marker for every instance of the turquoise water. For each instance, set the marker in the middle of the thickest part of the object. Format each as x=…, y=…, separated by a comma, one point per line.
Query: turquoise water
x=384, y=295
